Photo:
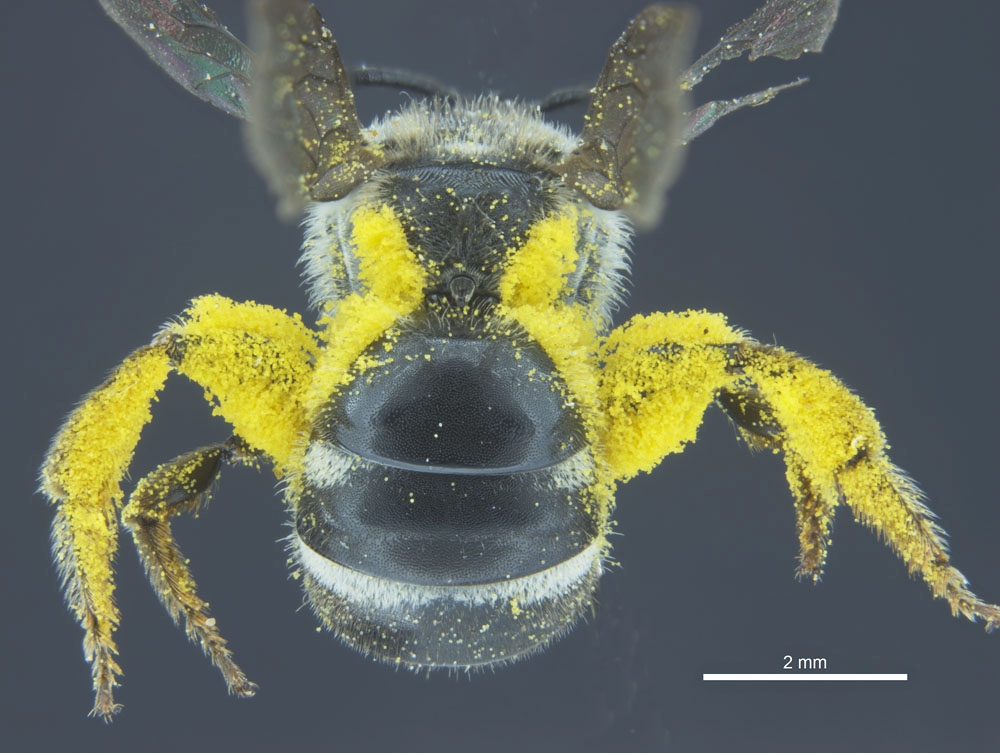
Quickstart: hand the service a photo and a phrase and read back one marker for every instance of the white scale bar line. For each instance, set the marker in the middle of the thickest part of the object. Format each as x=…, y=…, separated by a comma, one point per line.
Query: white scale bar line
x=804, y=676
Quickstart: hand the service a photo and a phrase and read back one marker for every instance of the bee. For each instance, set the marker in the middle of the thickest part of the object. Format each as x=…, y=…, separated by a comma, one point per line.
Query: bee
x=451, y=430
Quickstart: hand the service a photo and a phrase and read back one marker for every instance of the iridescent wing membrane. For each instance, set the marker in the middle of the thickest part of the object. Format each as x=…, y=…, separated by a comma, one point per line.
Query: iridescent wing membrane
x=188, y=42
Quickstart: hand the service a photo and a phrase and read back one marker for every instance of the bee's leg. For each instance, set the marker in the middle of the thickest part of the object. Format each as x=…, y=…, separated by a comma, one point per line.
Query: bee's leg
x=663, y=371
x=184, y=485
x=81, y=476
x=835, y=452
x=754, y=420
x=255, y=363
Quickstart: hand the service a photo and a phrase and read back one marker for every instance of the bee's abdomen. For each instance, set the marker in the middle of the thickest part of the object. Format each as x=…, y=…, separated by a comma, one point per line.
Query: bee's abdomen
x=444, y=514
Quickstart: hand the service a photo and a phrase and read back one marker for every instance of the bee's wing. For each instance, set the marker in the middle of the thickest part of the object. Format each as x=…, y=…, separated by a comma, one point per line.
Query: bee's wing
x=783, y=29
x=303, y=132
x=630, y=149
x=186, y=39
x=632, y=142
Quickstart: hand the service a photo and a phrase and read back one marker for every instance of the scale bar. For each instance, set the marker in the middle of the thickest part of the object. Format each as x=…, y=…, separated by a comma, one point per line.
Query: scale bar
x=803, y=677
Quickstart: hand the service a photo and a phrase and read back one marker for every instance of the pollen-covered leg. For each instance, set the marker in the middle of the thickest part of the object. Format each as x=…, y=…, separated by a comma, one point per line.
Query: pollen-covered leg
x=254, y=362
x=836, y=452
x=81, y=475
x=813, y=514
x=661, y=373
x=184, y=485
x=884, y=498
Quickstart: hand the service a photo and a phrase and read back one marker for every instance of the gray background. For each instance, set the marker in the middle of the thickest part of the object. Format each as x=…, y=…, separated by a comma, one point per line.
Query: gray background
x=851, y=220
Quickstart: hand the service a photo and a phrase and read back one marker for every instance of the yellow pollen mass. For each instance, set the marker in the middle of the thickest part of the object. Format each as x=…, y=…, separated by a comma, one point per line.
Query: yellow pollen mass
x=395, y=283
x=267, y=356
x=532, y=293
x=654, y=404
x=93, y=449
x=388, y=267
x=536, y=274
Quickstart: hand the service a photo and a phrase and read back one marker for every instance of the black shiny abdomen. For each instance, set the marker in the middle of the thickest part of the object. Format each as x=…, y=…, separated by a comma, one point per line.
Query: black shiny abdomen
x=457, y=461
x=456, y=405
x=451, y=414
